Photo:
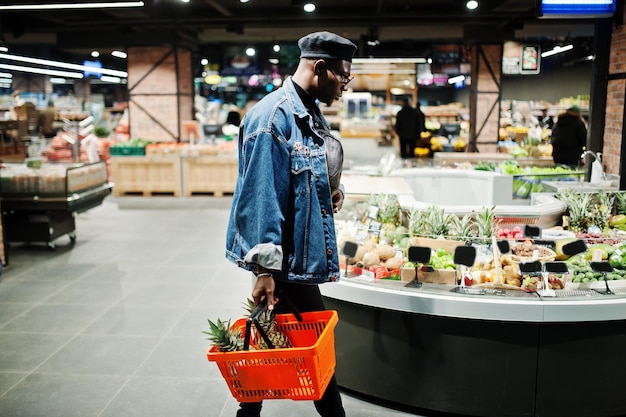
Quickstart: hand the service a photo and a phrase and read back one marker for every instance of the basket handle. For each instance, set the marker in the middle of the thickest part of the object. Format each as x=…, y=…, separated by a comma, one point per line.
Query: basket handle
x=253, y=318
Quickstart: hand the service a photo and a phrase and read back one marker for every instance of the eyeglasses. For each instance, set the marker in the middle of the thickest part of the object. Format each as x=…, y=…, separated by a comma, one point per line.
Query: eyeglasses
x=345, y=79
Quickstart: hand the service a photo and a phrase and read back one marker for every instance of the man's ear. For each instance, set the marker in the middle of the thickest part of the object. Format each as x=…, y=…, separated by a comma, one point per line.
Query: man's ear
x=319, y=66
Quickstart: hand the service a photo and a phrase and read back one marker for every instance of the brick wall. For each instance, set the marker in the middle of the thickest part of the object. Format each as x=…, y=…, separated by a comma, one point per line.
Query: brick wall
x=614, y=116
x=160, y=92
x=486, y=76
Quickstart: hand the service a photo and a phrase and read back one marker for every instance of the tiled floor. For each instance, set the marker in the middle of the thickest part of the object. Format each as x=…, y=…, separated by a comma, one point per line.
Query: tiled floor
x=112, y=325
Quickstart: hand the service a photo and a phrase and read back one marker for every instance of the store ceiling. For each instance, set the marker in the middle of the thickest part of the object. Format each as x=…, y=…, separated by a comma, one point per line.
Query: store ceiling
x=218, y=22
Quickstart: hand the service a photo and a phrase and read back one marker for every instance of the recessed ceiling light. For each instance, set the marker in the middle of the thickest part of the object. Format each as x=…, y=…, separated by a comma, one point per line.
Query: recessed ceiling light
x=251, y=51
x=471, y=4
x=243, y=1
x=95, y=54
x=276, y=47
x=119, y=54
x=309, y=7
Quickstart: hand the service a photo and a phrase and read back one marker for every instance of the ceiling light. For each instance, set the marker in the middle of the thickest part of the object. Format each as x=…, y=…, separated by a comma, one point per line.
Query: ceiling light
x=41, y=71
x=276, y=47
x=556, y=50
x=274, y=61
x=184, y=1
x=50, y=6
x=95, y=54
x=109, y=79
x=57, y=80
x=250, y=51
x=243, y=1
x=457, y=79
x=309, y=7
x=6, y=75
x=471, y=5
x=204, y=61
x=3, y=49
x=119, y=54
x=38, y=61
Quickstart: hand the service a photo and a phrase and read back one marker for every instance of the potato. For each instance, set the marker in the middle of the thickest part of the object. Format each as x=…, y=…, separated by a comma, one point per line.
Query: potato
x=369, y=245
x=385, y=252
x=394, y=263
x=371, y=259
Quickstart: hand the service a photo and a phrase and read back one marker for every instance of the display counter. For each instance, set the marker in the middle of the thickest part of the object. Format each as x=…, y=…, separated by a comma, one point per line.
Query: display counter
x=511, y=354
x=458, y=192
x=451, y=159
x=38, y=205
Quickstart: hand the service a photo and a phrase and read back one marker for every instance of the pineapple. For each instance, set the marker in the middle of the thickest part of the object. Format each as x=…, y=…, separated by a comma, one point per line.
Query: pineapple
x=486, y=224
x=224, y=337
x=620, y=202
x=463, y=227
x=436, y=222
x=268, y=324
x=578, y=206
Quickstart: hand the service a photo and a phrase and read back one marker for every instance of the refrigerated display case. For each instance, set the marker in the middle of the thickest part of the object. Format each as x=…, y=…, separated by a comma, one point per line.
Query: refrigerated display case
x=39, y=203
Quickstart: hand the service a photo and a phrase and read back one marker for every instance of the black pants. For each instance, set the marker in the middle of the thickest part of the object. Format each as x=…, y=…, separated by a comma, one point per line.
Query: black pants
x=407, y=147
x=305, y=298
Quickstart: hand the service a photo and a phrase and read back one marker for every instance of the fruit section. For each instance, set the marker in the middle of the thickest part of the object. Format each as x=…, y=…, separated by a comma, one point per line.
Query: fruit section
x=376, y=237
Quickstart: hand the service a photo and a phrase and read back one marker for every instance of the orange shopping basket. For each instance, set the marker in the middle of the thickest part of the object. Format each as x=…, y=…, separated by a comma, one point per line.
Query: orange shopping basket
x=301, y=372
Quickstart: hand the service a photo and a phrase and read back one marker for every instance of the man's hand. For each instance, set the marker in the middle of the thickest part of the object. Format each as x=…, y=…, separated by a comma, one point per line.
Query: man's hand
x=264, y=290
x=337, y=198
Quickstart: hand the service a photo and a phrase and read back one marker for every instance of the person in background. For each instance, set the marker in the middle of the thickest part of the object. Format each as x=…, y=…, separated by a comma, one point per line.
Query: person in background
x=45, y=121
x=407, y=129
x=281, y=225
x=421, y=119
x=569, y=137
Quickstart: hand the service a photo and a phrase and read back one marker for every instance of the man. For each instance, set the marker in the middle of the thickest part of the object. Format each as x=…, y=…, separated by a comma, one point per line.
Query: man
x=45, y=121
x=281, y=225
x=569, y=138
x=407, y=128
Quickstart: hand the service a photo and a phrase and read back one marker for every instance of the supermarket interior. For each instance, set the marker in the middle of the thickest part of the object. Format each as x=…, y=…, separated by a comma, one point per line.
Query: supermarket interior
x=478, y=273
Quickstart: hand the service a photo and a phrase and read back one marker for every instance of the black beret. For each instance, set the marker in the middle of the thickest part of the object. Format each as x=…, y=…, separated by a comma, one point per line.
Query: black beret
x=326, y=45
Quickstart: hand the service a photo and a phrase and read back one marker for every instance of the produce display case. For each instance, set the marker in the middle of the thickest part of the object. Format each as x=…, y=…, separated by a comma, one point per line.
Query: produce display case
x=39, y=204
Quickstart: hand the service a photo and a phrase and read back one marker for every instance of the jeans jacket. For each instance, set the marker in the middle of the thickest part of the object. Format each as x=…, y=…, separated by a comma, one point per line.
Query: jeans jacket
x=282, y=215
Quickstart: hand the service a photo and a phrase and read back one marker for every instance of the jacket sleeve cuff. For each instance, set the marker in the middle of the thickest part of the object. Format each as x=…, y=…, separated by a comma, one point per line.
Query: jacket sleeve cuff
x=267, y=255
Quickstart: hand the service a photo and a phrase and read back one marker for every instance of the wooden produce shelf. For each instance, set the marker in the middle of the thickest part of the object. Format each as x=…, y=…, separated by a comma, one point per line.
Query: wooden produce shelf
x=215, y=175
x=146, y=175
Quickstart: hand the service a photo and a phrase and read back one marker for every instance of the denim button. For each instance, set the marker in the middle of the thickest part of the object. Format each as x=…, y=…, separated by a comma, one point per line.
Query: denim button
x=323, y=211
x=329, y=252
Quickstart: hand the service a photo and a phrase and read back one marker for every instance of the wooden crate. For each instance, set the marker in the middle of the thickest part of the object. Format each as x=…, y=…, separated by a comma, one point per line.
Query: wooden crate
x=146, y=175
x=216, y=175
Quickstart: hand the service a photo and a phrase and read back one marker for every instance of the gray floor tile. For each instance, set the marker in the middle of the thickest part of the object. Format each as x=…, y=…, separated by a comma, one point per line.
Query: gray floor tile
x=167, y=397
x=24, y=352
x=168, y=294
x=106, y=292
x=100, y=355
x=47, y=318
x=9, y=311
x=28, y=291
x=179, y=358
x=9, y=379
x=59, y=396
x=136, y=320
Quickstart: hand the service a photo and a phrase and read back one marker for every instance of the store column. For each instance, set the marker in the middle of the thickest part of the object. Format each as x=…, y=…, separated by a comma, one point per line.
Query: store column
x=485, y=95
x=160, y=90
x=613, y=140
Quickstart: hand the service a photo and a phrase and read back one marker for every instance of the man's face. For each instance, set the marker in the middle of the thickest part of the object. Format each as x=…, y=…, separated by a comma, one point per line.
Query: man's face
x=334, y=81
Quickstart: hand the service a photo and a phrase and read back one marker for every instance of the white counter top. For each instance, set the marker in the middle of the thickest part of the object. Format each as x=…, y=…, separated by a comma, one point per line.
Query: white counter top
x=441, y=300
